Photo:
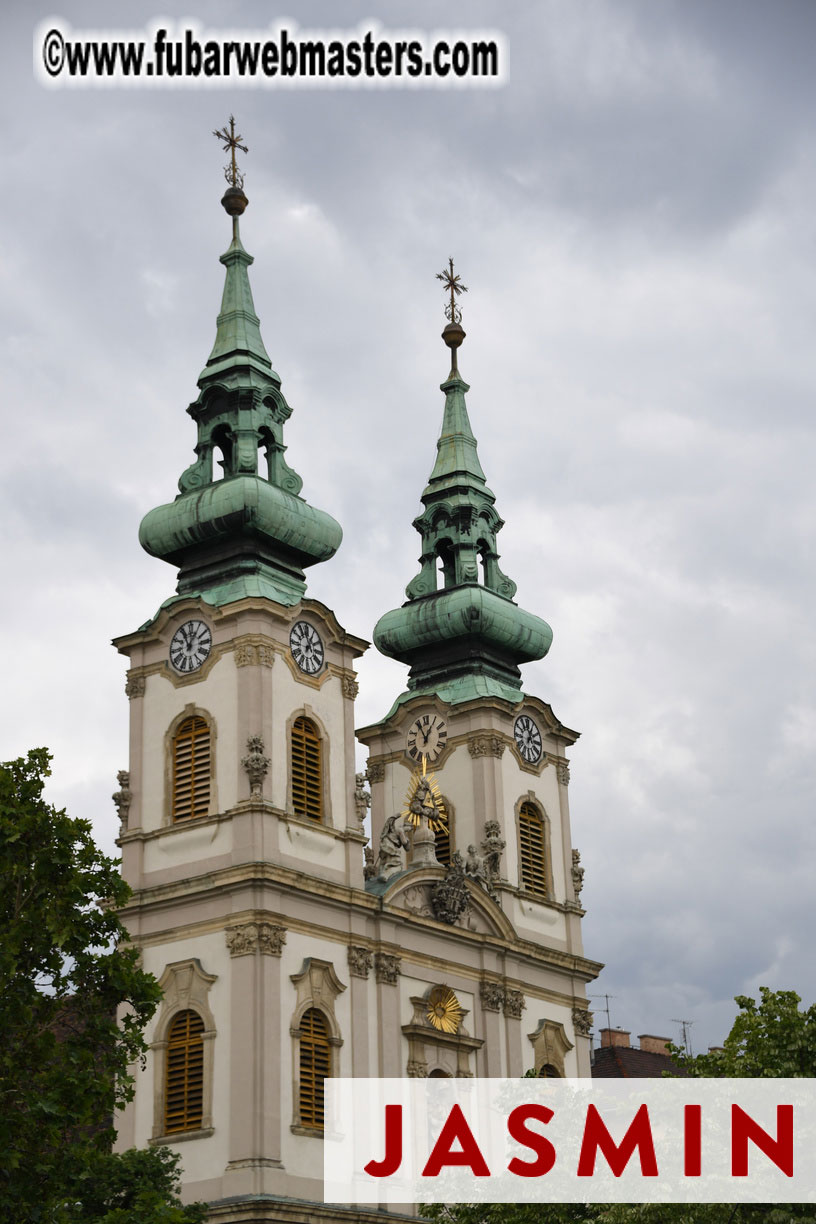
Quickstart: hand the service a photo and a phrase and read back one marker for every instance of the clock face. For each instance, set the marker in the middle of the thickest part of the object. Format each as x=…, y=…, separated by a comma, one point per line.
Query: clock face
x=307, y=648
x=427, y=737
x=528, y=739
x=190, y=646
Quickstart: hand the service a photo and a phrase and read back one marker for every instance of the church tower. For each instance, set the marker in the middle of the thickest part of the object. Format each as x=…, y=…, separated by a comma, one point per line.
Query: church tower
x=287, y=950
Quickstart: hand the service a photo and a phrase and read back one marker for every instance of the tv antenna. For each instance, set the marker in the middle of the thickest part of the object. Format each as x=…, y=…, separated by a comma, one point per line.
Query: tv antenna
x=685, y=1029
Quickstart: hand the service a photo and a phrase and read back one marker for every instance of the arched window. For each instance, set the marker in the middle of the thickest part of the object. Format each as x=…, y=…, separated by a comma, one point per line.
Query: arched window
x=307, y=770
x=548, y=1071
x=315, y=1065
x=184, y=1073
x=533, y=854
x=191, y=769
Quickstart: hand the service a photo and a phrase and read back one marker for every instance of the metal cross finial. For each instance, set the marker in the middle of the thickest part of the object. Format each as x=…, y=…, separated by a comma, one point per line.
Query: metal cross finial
x=231, y=143
x=453, y=284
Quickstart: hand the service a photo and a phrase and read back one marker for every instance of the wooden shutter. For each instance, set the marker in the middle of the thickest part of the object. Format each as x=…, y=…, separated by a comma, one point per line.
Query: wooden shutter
x=184, y=1084
x=315, y=1065
x=307, y=770
x=443, y=843
x=191, y=769
x=533, y=851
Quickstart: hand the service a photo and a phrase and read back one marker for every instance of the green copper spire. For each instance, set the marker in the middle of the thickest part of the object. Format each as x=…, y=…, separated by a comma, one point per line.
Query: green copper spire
x=465, y=637
x=246, y=531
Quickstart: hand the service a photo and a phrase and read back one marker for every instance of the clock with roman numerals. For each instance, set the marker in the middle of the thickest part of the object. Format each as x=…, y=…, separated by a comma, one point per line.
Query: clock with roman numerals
x=307, y=648
x=190, y=646
x=528, y=739
x=427, y=737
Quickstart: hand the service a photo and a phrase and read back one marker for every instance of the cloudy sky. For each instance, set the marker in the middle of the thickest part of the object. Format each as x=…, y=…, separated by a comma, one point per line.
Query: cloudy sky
x=633, y=213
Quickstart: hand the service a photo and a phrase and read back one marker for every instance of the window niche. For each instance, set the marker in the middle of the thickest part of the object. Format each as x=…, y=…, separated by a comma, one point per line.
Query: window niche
x=316, y=1042
x=183, y=1053
x=550, y=1047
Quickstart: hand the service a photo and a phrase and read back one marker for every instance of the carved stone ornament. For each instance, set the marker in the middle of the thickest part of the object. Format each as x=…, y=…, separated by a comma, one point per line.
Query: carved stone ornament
x=393, y=844
x=486, y=745
x=492, y=996
x=256, y=764
x=375, y=772
x=387, y=968
x=416, y=1070
x=563, y=773
x=514, y=1004
x=350, y=687
x=360, y=961
x=416, y=900
x=134, y=686
x=577, y=873
x=493, y=846
x=122, y=798
x=250, y=937
x=449, y=898
x=362, y=798
x=582, y=1021
x=253, y=654
x=369, y=870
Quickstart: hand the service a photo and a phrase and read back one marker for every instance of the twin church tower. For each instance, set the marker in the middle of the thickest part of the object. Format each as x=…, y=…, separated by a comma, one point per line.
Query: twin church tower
x=292, y=944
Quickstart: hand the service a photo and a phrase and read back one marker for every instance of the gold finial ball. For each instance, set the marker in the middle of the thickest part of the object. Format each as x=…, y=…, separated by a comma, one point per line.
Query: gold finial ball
x=453, y=335
x=234, y=201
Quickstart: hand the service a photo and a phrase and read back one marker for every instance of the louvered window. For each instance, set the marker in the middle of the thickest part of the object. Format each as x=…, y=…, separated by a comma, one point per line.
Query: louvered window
x=443, y=843
x=315, y=1065
x=191, y=769
x=307, y=770
x=184, y=1084
x=533, y=851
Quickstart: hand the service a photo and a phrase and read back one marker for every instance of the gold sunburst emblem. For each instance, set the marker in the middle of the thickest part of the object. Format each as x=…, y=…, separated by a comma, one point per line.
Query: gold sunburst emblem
x=424, y=799
x=444, y=1009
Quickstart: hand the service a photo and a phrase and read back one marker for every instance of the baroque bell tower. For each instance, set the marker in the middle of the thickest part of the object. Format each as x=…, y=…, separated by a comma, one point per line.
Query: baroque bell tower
x=288, y=950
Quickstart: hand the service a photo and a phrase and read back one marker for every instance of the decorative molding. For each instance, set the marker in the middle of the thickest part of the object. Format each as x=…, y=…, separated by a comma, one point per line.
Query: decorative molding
x=563, y=771
x=514, y=1004
x=577, y=873
x=256, y=764
x=360, y=961
x=350, y=687
x=582, y=1021
x=387, y=968
x=249, y=653
x=375, y=771
x=122, y=798
x=492, y=995
x=550, y=1044
x=249, y=937
x=416, y=1069
x=134, y=686
x=486, y=745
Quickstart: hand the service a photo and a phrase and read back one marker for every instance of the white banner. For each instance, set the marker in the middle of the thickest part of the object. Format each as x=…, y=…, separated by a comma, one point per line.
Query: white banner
x=392, y=1141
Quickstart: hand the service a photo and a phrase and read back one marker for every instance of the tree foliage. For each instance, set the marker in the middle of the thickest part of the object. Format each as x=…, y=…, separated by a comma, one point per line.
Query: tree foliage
x=771, y=1038
x=65, y=970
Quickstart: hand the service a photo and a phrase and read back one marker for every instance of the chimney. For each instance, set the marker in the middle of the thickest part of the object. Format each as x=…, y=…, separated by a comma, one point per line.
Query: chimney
x=654, y=1045
x=614, y=1037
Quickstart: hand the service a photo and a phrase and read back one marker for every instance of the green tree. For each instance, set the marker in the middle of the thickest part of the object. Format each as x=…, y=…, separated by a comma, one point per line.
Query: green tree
x=771, y=1038
x=65, y=969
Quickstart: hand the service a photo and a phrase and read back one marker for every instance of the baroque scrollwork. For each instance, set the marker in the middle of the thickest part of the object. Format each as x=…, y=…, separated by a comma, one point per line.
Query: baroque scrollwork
x=492, y=995
x=582, y=1021
x=387, y=968
x=360, y=961
x=248, y=937
x=514, y=1004
x=486, y=745
x=563, y=773
x=253, y=654
x=350, y=687
x=375, y=771
x=256, y=764
x=134, y=686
